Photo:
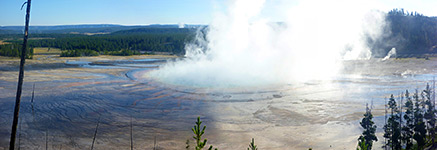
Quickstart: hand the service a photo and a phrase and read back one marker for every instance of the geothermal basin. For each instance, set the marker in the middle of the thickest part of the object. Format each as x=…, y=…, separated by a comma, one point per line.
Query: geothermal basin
x=72, y=95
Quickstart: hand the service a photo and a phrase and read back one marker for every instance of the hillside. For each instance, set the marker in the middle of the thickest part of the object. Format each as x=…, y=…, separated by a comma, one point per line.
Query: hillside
x=411, y=33
x=81, y=29
x=155, y=31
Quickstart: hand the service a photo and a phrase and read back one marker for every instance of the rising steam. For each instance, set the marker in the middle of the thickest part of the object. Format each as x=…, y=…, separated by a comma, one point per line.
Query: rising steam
x=244, y=47
x=391, y=53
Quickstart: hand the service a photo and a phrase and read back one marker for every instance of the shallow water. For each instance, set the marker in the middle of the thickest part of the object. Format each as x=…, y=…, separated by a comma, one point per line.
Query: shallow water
x=317, y=114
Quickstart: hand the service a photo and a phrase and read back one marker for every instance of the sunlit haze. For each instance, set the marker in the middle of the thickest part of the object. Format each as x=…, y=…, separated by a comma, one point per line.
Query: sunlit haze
x=244, y=48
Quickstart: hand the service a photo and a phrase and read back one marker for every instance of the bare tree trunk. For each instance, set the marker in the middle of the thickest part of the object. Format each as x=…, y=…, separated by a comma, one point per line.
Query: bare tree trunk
x=19, y=134
x=33, y=93
x=400, y=114
x=47, y=139
x=20, y=79
x=434, y=145
x=154, y=143
x=95, y=134
x=131, y=135
x=385, y=120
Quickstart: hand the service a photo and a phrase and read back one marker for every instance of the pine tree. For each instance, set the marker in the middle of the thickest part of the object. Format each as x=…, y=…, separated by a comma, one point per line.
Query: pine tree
x=362, y=144
x=369, y=129
x=252, y=145
x=420, y=128
x=392, y=128
x=407, y=130
x=429, y=114
x=434, y=143
x=198, y=135
x=385, y=122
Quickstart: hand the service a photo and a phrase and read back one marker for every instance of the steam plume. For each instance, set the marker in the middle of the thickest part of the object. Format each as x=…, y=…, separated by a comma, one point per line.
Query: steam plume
x=392, y=52
x=244, y=47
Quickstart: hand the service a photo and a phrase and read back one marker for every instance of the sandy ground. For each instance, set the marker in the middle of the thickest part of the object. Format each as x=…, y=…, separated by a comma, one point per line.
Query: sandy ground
x=70, y=99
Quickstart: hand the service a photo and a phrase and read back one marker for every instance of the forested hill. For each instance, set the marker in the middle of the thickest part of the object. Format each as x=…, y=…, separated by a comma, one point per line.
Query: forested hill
x=411, y=33
x=92, y=28
x=80, y=29
x=155, y=31
x=134, y=39
x=146, y=42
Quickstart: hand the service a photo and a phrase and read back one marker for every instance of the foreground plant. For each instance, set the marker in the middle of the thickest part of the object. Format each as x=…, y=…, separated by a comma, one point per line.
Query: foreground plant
x=362, y=144
x=392, y=130
x=369, y=127
x=198, y=136
x=252, y=145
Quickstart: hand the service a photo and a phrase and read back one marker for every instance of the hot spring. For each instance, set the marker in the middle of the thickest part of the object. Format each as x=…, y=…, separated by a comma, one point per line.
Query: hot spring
x=294, y=76
x=244, y=47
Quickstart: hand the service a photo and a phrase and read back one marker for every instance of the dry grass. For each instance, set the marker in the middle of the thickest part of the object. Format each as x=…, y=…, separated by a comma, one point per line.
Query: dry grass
x=99, y=33
x=2, y=42
x=46, y=51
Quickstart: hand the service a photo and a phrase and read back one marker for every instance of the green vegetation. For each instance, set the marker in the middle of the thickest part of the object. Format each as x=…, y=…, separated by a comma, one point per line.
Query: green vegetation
x=198, y=136
x=430, y=113
x=81, y=29
x=13, y=50
x=105, y=44
x=407, y=129
x=392, y=129
x=252, y=145
x=411, y=33
x=417, y=132
x=368, y=136
x=418, y=129
x=198, y=132
x=417, y=31
x=155, y=31
x=173, y=43
x=121, y=43
x=362, y=144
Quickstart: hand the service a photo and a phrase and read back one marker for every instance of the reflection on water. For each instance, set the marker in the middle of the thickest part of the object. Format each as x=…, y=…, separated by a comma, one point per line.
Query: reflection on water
x=278, y=117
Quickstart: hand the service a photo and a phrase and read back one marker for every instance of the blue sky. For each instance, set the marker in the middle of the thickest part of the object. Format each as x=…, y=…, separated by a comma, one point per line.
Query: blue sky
x=142, y=12
x=55, y=12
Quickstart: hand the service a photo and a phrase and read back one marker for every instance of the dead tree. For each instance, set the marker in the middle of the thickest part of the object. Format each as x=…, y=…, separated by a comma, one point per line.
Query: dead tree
x=131, y=135
x=95, y=133
x=20, y=78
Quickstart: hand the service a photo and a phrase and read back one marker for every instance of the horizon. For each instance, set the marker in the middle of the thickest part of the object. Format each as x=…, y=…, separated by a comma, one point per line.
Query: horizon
x=137, y=12
x=100, y=24
x=288, y=74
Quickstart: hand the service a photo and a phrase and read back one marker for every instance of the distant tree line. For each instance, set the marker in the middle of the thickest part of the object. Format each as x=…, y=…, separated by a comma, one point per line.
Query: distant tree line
x=13, y=50
x=124, y=43
x=103, y=44
x=19, y=37
x=155, y=30
x=411, y=33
